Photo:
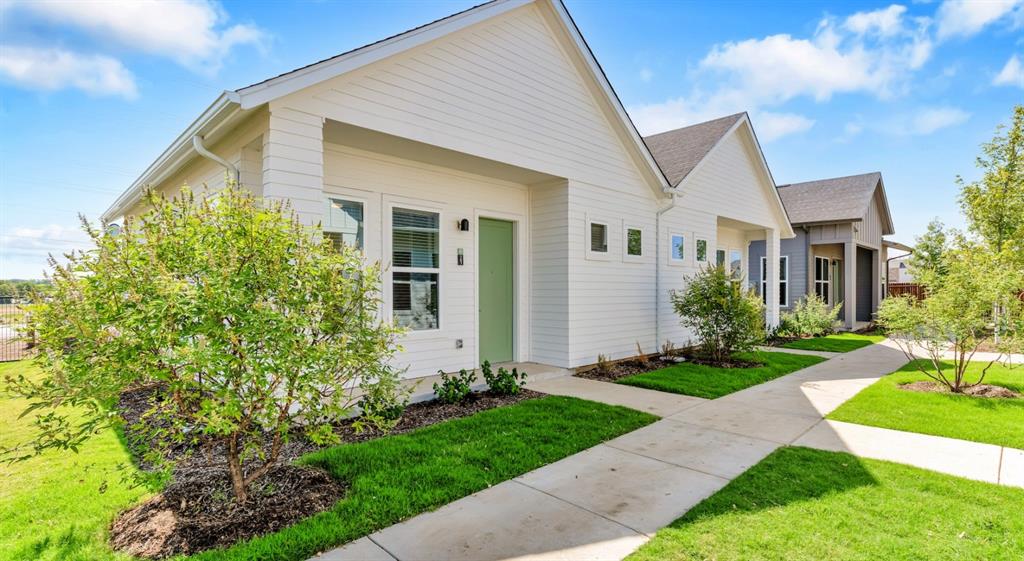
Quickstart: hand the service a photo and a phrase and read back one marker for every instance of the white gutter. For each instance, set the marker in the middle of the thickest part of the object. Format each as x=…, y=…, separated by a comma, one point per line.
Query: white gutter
x=657, y=271
x=197, y=143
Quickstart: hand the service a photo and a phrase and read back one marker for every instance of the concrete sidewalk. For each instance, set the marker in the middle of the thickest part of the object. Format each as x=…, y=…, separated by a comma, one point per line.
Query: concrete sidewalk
x=606, y=501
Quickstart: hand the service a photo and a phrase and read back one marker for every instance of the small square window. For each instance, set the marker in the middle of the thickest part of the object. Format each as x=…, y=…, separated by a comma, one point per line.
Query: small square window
x=598, y=237
x=702, y=251
x=634, y=242
x=720, y=257
x=677, y=247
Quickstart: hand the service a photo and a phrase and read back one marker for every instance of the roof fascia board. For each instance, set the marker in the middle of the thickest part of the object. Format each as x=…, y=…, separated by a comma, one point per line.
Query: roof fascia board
x=302, y=78
x=597, y=73
x=841, y=221
x=787, y=231
x=222, y=110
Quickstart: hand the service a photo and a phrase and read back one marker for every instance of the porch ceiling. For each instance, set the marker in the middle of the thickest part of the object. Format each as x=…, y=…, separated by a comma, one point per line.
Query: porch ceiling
x=725, y=222
x=345, y=134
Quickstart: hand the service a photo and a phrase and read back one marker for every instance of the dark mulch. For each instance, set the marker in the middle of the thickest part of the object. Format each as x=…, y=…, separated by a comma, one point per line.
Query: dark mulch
x=426, y=413
x=631, y=367
x=979, y=390
x=197, y=511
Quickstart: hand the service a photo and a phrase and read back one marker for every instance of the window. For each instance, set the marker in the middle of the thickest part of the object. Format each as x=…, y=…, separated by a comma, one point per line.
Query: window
x=736, y=263
x=343, y=223
x=783, y=280
x=822, y=278
x=634, y=242
x=677, y=247
x=598, y=237
x=720, y=257
x=416, y=268
x=702, y=251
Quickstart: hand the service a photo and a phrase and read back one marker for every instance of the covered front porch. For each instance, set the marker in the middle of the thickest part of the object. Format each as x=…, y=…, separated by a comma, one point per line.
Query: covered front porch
x=759, y=271
x=843, y=274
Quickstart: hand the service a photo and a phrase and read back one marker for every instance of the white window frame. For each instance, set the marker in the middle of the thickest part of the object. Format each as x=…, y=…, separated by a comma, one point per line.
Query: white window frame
x=598, y=255
x=783, y=303
x=346, y=198
x=389, y=209
x=827, y=282
x=626, y=227
x=707, y=250
x=671, y=248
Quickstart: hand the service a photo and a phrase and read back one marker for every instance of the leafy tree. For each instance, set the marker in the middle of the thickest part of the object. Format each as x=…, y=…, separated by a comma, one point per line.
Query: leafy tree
x=926, y=262
x=956, y=315
x=994, y=205
x=252, y=327
x=725, y=317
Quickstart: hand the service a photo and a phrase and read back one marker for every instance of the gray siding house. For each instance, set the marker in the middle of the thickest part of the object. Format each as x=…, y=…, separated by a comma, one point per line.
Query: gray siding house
x=838, y=252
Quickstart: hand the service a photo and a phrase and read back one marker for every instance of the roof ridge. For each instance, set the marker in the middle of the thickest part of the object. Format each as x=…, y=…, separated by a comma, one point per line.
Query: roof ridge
x=878, y=173
x=709, y=121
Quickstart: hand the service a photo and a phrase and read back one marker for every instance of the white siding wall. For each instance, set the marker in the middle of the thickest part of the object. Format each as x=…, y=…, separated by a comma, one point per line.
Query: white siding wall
x=693, y=224
x=380, y=181
x=549, y=259
x=293, y=161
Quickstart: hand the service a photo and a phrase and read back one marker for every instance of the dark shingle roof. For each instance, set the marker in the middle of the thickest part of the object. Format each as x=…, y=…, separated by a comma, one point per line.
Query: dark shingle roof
x=678, y=151
x=840, y=199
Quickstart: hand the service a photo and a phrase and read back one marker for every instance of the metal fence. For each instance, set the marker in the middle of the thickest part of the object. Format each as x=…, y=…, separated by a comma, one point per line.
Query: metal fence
x=15, y=342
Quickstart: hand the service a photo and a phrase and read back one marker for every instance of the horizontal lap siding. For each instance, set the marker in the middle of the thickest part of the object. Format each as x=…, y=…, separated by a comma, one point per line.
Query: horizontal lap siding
x=549, y=256
x=377, y=180
x=693, y=223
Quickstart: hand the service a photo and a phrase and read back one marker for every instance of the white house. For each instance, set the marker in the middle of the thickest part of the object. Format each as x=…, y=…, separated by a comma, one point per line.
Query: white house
x=486, y=160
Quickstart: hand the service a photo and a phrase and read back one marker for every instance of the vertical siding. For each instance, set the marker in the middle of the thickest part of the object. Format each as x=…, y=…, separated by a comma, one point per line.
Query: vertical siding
x=378, y=181
x=869, y=230
x=796, y=250
x=549, y=262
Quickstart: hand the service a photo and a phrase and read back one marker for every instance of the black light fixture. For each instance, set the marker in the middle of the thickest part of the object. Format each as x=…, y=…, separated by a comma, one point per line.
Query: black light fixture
x=463, y=225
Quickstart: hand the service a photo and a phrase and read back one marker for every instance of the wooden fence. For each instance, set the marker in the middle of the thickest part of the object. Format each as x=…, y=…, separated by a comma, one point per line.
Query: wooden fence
x=901, y=288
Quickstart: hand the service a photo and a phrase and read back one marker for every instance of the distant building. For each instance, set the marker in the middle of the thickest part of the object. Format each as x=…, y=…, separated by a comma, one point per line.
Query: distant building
x=899, y=270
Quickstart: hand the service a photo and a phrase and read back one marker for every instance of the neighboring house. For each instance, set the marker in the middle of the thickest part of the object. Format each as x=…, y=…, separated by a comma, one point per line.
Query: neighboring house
x=899, y=270
x=838, y=252
x=486, y=161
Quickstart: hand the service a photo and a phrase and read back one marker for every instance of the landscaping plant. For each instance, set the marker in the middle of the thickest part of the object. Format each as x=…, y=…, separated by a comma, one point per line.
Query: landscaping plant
x=454, y=387
x=504, y=382
x=250, y=326
x=811, y=317
x=726, y=317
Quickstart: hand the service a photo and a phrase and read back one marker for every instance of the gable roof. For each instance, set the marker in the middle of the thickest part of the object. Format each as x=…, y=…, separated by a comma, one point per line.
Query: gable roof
x=838, y=199
x=678, y=151
x=231, y=106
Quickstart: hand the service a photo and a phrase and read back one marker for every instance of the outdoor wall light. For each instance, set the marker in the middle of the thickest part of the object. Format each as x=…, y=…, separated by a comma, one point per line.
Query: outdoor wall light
x=463, y=225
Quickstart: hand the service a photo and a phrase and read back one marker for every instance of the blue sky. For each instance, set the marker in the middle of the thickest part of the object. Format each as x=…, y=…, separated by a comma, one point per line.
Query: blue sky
x=91, y=93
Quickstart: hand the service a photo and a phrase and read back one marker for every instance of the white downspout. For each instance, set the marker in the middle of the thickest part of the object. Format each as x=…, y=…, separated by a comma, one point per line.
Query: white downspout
x=197, y=143
x=657, y=270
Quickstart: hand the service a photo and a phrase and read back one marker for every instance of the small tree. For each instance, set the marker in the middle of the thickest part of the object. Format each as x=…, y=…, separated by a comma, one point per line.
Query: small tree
x=250, y=324
x=724, y=316
x=956, y=315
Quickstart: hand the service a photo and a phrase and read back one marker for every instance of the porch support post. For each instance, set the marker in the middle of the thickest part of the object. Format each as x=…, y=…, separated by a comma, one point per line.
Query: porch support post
x=772, y=249
x=293, y=162
x=850, y=284
x=876, y=277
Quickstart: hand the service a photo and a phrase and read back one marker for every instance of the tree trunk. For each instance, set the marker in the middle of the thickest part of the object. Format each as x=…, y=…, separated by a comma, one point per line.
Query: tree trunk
x=235, y=469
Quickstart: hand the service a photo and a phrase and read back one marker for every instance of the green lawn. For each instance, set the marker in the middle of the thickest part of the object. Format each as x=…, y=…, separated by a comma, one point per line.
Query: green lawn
x=801, y=504
x=50, y=507
x=995, y=421
x=836, y=342
x=710, y=382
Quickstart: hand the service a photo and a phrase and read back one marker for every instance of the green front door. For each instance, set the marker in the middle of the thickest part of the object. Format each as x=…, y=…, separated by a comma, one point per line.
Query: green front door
x=497, y=275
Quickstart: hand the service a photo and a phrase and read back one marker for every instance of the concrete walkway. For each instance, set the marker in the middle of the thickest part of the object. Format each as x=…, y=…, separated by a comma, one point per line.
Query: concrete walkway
x=822, y=354
x=606, y=501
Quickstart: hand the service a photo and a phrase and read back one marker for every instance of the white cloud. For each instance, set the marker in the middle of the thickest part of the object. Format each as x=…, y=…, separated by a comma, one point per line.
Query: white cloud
x=55, y=69
x=927, y=121
x=1012, y=74
x=964, y=18
x=53, y=238
x=646, y=75
x=885, y=22
x=191, y=32
x=771, y=126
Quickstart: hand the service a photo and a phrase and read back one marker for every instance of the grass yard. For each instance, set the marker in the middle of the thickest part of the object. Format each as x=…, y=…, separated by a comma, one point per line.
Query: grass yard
x=836, y=342
x=991, y=420
x=710, y=382
x=801, y=504
x=51, y=506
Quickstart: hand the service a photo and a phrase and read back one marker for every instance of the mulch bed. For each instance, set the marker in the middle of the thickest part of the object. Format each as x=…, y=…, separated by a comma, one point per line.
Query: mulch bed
x=624, y=368
x=979, y=390
x=426, y=413
x=197, y=510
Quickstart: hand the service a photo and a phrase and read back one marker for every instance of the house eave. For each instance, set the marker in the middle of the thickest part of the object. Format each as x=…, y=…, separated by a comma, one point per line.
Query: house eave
x=223, y=111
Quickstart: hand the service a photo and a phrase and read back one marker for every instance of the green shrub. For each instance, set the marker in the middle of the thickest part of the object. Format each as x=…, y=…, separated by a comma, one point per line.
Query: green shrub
x=454, y=387
x=726, y=317
x=504, y=382
x=383, y=402
x=811, y=317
